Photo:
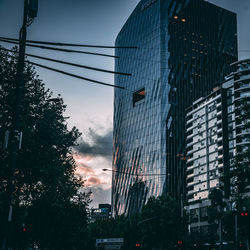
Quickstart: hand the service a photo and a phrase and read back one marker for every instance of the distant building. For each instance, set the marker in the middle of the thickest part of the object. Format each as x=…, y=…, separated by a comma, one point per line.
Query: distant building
x=214, y=134
x=184, y=48
x=102, y=212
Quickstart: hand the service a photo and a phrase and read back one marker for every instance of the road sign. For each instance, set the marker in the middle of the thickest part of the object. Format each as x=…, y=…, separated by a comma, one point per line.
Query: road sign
x=110, y=240
x=110, y=243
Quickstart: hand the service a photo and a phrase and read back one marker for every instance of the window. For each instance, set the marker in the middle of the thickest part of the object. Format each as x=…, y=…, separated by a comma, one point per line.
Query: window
x=138, y=96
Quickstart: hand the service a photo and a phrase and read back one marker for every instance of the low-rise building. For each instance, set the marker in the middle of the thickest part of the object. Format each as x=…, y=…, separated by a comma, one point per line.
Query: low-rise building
x=102, y=212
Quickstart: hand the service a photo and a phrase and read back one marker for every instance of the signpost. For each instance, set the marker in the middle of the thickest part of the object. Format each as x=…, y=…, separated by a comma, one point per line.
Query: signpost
x=110, y=243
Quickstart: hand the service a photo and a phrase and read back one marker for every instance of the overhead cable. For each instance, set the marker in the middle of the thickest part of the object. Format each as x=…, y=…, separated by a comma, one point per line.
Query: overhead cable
x=73, y=44
x=73, y=75
x=60, y=49
x=74, y=64
x=70, y=74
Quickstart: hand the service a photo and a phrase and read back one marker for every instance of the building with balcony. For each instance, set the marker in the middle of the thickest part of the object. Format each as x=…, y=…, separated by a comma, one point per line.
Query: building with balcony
x=215, y=133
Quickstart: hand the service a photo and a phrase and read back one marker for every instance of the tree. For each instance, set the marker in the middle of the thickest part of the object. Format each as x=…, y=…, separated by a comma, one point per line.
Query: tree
x=161, y=224
x=215, y=215
x=108, y=228
x=239, y=174
x=158, y=226
x=46, y=191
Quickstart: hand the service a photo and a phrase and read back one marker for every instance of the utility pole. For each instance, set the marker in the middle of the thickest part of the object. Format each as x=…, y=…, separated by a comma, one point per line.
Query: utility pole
x=30, y=11
x=236, y=231
x=220, y=233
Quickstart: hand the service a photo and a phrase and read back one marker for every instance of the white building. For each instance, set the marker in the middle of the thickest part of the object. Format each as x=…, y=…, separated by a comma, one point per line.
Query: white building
x=214, y=132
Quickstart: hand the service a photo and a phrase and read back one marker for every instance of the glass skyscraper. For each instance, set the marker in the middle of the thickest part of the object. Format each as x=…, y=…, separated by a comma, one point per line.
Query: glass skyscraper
x=184, y=49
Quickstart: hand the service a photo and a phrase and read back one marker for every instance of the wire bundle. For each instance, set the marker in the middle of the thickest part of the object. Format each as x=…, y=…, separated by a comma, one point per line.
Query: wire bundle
x=43, y=45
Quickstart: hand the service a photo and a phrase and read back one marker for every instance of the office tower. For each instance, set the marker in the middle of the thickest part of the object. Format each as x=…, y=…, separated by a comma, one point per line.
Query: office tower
x=184, y=48
x=215, y=133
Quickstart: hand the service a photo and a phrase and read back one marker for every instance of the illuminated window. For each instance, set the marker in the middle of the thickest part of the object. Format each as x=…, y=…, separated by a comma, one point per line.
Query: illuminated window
x=183, y=20
x=175, y=17
x=138, y=96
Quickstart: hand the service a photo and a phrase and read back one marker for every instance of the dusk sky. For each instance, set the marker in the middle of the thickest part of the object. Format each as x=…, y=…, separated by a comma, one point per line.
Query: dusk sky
x=89, y=105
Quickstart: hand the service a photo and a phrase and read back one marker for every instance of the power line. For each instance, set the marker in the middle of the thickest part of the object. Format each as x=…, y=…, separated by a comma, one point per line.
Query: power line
x=72, y=75
x=244, y=50
x=73, y=44
x=62, y=50
x=73, y=64
x=76, y=76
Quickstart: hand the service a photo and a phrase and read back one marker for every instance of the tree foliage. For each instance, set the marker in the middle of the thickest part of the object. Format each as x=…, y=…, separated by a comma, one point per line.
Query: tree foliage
x=158, y=226
x=239, y=174
x=166, y=226
x=46, y=191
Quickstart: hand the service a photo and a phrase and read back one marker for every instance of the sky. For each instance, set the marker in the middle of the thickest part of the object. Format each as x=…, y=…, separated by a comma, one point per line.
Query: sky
x=89, y=105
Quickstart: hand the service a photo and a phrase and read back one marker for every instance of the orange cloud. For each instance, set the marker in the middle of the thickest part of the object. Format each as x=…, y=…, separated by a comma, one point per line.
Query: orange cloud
x=79, y=158
x=83, y=169
x=90, y=169
x=91, y=181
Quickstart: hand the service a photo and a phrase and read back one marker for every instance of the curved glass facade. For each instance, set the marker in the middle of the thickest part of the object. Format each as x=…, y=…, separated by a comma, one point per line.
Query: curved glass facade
x=184, y=47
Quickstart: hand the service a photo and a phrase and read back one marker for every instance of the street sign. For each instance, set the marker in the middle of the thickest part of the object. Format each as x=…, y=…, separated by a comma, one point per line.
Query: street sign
x=110, y=243
x=110, y=240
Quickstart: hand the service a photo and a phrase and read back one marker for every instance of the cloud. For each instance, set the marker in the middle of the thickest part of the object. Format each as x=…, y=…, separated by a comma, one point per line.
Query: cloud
x=93, y=176
x=82, y=169
x=92, y=155
x=91, y=181
x=96, y=145
x=99, y=195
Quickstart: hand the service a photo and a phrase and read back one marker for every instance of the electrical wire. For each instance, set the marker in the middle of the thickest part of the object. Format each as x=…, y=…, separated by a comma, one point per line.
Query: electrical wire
x=73, y=44
x=244, y=50
x=62, y=50
x=72, y=75
x=72, y=64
